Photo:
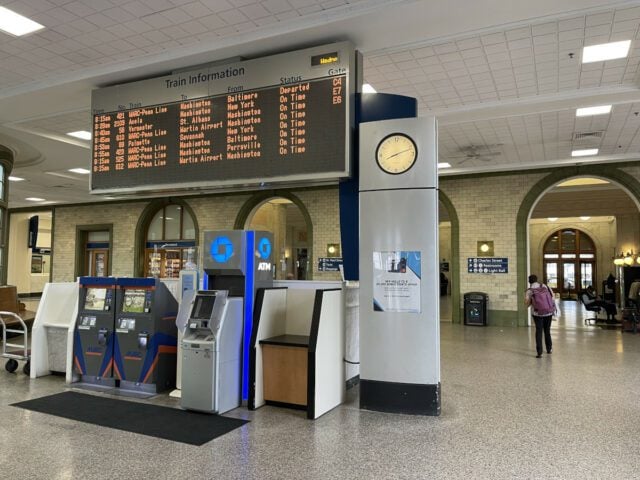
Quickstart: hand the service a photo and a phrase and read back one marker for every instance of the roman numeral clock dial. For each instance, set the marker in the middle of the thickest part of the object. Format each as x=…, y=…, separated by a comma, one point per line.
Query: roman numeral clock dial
x=396, y=153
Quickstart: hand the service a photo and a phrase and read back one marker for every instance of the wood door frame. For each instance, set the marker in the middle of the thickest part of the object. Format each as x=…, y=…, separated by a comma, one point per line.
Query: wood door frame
x=82, y=235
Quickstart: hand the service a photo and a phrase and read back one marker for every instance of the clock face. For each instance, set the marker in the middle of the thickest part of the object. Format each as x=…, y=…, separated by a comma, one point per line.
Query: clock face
x=396, y=153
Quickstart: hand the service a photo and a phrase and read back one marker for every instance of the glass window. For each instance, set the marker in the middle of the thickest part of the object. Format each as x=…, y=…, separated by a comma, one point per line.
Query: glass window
x=568, y=255
x=551, y=255
x=552, y=244
x=98, y=236
x=552, y=274
x=188, y=228
x=586, y=275
x=568, y=240
x=155, y=227
x=172, y=222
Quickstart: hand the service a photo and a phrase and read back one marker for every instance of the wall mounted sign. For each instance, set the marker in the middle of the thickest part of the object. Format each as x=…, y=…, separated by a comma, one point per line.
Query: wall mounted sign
x=329, y=264
x=487, y=265
x=265, y=120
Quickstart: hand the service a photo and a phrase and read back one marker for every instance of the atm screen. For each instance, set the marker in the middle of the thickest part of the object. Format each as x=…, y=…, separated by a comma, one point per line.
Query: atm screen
x=203, y=306
x=94, y=299
x=133, y=300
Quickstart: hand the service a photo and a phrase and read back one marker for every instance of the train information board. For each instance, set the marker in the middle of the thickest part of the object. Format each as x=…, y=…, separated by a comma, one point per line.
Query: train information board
x=227, y=126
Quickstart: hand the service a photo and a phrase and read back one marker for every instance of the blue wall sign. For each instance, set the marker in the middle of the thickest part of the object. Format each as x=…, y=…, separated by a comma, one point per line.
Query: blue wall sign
x=329, y=264
x=487, y=265
x=221, y=249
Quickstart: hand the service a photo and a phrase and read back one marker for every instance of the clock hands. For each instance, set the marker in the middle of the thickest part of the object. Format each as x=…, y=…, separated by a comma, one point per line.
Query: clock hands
x=398, y=153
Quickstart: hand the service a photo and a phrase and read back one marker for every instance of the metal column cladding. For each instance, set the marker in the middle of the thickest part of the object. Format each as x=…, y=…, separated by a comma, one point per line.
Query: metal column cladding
x=399, y=274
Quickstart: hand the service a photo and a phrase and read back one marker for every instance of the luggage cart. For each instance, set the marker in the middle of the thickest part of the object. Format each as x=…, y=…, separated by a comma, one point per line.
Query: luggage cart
x=15, y=355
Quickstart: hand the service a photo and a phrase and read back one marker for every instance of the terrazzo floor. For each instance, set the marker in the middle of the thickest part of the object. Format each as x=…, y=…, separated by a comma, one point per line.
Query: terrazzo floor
x=505, y=414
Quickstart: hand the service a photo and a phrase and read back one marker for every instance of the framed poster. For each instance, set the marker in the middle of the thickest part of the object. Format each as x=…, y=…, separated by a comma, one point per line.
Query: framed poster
x=396, y=281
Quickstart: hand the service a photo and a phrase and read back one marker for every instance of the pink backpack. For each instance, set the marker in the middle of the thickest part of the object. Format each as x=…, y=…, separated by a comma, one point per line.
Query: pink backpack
x=542, y=301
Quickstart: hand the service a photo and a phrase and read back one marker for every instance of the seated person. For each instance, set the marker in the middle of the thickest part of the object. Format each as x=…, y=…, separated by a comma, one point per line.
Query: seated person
x=590, y=298
x=634, y=290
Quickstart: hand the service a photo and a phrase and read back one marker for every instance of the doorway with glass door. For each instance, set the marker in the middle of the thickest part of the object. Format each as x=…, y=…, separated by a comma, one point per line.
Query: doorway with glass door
x=569, y=262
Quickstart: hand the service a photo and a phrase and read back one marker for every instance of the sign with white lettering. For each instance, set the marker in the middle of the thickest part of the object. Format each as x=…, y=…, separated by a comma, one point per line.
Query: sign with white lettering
x=329, y=264
x=487, y=265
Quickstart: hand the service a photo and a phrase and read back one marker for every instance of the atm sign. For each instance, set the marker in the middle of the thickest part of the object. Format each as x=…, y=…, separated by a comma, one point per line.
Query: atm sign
x=326, y=59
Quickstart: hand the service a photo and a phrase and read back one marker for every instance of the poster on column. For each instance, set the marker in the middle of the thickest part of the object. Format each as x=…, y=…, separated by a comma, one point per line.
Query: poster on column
x=396, y=281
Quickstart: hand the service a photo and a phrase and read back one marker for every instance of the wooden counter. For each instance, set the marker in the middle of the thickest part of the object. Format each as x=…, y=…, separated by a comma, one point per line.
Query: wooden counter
x=285, y=360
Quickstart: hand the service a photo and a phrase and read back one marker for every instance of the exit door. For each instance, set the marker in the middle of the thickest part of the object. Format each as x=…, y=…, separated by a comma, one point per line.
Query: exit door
x=97, y=263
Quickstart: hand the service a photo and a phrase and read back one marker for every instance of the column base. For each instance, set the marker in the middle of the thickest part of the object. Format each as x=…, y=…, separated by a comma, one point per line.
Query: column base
x=408, y=398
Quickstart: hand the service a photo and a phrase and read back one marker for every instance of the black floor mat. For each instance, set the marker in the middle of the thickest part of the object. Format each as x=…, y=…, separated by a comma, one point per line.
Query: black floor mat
x=152, y=420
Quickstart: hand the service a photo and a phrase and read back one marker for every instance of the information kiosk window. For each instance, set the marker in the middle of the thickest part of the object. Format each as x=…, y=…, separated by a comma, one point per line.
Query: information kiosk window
x=94, y=299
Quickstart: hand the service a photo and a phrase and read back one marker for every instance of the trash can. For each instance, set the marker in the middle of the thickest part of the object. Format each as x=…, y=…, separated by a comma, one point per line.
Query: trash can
x=475, y=308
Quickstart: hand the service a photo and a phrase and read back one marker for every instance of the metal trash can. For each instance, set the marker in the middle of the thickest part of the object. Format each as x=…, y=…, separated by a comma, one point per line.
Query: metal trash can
x=475, y=308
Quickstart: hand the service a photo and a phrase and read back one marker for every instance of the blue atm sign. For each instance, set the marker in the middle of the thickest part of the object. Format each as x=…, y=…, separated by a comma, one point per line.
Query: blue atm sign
x=221, y=249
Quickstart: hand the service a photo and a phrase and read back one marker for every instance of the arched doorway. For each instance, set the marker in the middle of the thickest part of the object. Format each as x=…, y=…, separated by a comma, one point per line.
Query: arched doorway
x=287, y=219
x=448, y=230
x=166, y=237
x=613, y=174
x=569, y=262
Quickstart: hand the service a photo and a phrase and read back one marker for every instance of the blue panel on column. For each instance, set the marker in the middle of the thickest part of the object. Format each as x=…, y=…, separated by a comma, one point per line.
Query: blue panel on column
x=369, y=108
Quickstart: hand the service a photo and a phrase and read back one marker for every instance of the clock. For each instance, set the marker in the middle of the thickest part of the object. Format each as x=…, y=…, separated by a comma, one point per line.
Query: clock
x=396, y=153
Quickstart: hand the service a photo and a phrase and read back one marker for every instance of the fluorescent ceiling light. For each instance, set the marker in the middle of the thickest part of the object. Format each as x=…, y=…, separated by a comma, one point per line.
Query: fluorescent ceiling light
x=585, y=218
x=15, y=24
x=606, y=51
x=35, y=199
x=585, y=152
x=82, y=134
x=366, y=88
x=444, y=165
x=15, y=179
x=82, y=171
x=588, y=111
x=552, y=219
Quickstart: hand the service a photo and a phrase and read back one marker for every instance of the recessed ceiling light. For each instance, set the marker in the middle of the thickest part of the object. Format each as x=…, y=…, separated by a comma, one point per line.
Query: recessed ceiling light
x=82, y=171
x=444, y=165
x=16, y=179
x=588, y=111
x=606, y=51
x=366, y=88
x=15, y=24
x=35, y=199
x=584, y=152
x=552, y=219
x=82, y=134
x=585, y=218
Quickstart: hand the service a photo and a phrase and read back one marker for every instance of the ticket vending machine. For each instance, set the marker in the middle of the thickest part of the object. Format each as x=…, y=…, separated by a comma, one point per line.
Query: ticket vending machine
x=146, y=335
x=94, y=332
x=212, y=353
x=240, y=262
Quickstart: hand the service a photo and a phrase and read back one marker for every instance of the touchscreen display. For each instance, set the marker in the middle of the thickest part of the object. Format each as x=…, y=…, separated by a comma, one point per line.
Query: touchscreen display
x=203, y=306
x=94, y=300
x=133, y=300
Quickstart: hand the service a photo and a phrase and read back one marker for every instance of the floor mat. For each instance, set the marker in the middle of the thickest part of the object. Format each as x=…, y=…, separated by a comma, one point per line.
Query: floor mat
x=152, y=420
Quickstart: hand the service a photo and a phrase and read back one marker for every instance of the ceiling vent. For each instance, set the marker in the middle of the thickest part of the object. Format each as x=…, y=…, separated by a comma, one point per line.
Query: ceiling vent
x=587, y=135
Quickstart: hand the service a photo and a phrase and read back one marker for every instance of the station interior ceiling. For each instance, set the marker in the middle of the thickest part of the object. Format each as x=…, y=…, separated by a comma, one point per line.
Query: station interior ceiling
x=503, y=78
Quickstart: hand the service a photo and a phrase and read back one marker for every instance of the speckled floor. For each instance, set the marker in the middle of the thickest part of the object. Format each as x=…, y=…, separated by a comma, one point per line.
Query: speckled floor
x=505, y=414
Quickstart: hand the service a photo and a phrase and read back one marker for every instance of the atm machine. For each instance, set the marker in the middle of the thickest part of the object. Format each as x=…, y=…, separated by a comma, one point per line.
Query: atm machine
x=212, y=353
x=94, y=333
x=146, y=335
x=240, y=262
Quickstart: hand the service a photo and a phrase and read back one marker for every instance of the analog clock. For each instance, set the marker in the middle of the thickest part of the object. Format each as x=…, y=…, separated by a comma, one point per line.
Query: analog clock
x=396, y=153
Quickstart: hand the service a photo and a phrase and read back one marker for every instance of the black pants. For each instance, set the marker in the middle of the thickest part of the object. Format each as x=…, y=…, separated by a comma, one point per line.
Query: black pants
x=543, y=323
x=610, y=308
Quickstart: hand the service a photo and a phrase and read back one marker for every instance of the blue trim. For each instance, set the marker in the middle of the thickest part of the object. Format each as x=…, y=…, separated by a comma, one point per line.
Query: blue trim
x=249, y=284
x=136, y=282
x=169, y=244
x=117, y=359
x=106, y=281
x=205, y=281
x=108, y=354
x=98, y=245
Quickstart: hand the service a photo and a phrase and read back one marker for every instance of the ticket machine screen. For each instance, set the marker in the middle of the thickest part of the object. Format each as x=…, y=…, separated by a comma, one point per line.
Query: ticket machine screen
x=203, y=306
x=94, y=299
x=133, y=300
